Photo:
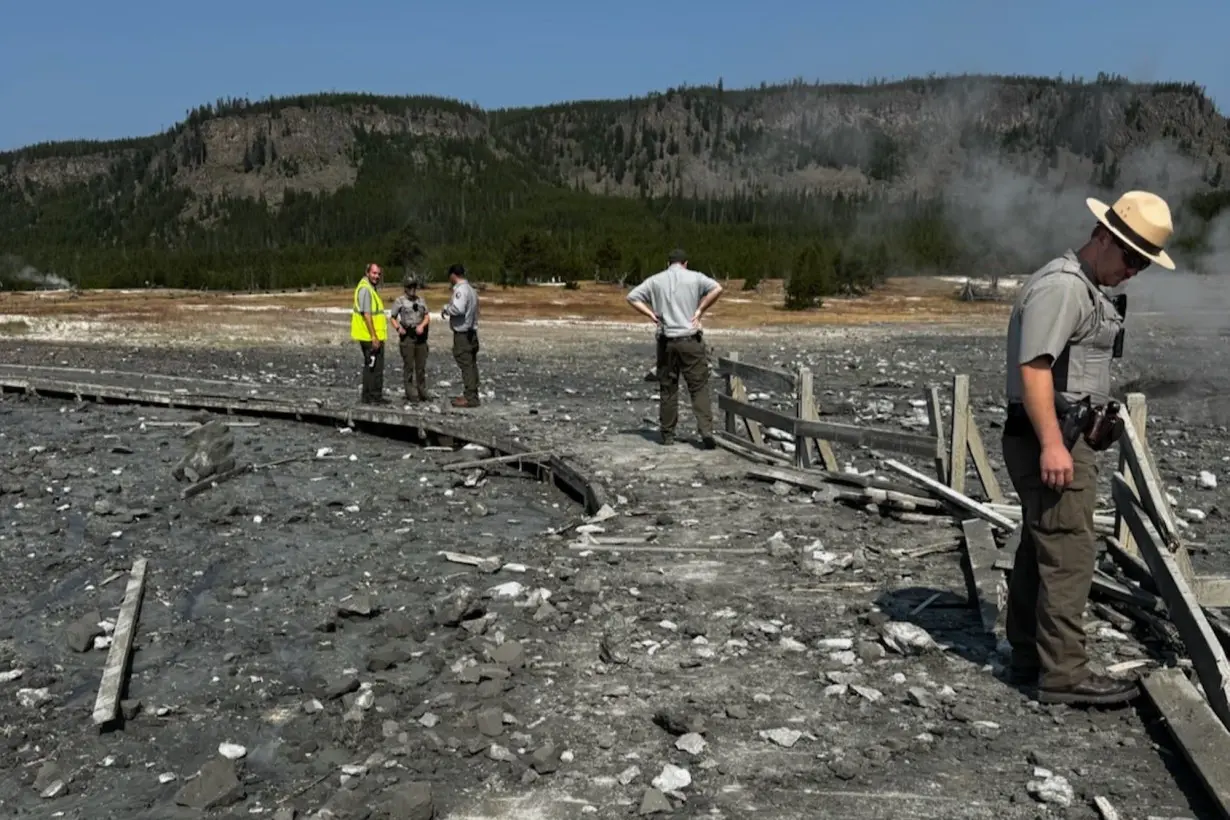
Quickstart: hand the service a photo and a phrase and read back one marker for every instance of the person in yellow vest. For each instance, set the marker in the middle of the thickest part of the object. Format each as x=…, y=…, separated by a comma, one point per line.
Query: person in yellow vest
x=369, y=327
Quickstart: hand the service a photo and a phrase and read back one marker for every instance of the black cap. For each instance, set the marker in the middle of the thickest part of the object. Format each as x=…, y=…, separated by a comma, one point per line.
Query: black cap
x=677, y=255
x=457, y=270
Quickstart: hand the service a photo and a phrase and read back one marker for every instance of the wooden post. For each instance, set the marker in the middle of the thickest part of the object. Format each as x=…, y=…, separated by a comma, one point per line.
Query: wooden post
x=734, y=389
x=802, y=400
x=960, y=428
x=935, y=422
x=811, y=412
x=1137, y=415
x=986, y=476
x=738, y=392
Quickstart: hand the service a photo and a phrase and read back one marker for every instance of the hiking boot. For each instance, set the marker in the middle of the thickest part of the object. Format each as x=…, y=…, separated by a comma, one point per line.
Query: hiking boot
x=425, y=396
x=462, y=401
x=708, y=443
x=1095, y=690
x=668, y=439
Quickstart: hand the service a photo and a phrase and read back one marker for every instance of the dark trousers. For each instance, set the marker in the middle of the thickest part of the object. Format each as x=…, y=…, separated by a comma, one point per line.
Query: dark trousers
x=465, y=353
x=1053, y=569
x=686, y=357
x=373, y=377
x=414, y=366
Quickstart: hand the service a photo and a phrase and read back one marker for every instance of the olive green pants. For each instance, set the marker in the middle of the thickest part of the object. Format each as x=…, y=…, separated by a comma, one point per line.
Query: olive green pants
x=686, y=357
x=414, y=366
x=1053, y=569
x=465, y=353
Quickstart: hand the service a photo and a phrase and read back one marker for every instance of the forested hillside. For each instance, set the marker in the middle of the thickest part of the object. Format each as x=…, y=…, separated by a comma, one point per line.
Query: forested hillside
x=847, y=182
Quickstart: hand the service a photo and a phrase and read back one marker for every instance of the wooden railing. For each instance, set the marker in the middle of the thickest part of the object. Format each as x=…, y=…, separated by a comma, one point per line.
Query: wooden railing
x=813, y=439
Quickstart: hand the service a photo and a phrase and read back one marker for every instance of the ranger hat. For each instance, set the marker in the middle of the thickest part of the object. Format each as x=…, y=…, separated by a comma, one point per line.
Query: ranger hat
x=410, y=281
x=1140, y=219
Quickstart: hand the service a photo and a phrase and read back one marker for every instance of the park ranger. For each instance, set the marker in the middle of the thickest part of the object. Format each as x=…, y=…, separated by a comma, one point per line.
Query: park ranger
x=369, y=327
x=1062, y=335
x=676, y=299
x=411, y=319
x=462, y=315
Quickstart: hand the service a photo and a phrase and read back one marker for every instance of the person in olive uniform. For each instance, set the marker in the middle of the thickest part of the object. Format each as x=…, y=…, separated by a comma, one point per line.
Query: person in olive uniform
x=411, y=321
x=1062, y=335
x=676, y=299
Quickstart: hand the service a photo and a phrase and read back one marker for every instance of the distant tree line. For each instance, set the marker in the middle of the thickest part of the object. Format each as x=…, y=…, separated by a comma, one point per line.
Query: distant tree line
x=420, y=203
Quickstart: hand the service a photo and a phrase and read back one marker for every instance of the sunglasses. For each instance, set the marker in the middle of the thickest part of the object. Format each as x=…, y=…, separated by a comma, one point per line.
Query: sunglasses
x=1133, y=258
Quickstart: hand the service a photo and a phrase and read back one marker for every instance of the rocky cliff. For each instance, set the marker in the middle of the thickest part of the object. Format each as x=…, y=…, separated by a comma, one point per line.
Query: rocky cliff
x=899, y=138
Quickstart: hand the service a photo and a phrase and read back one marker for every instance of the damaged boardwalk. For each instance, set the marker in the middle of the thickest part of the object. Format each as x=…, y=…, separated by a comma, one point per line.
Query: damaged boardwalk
x=802, y=624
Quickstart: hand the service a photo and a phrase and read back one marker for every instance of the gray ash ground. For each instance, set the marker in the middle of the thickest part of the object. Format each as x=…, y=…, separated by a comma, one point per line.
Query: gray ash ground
x=767, y=677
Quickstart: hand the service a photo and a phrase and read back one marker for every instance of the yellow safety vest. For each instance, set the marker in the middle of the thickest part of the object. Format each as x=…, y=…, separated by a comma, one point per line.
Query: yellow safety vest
x=358, y=327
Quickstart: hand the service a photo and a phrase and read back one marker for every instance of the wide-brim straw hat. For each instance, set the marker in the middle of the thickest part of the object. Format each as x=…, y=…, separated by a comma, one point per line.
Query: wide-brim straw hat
x=1140, y=219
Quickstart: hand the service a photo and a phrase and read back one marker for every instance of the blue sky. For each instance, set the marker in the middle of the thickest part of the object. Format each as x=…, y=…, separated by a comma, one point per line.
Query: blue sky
x=90, y=70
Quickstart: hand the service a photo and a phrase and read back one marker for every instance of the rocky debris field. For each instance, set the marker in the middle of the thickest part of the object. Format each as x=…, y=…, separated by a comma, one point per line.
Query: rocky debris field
x=707, y=646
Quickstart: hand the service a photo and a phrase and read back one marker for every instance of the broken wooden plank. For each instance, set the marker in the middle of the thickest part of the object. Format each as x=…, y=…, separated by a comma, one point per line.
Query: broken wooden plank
x=773, y=378
x=935, y=423
x=985, y=586
x=811, y=412
x=904, y=443
x=960, y=432
x=982, y=465
x=1212, y=590
x=205, y=483
x=748, y=449
x=1208, y=657
x=537, y=455
x=110, y=690
x=1149, y=489
x=949, y=494
x=635, y=548
x=802, y=445
x=1202, y=739
x=1138, y=417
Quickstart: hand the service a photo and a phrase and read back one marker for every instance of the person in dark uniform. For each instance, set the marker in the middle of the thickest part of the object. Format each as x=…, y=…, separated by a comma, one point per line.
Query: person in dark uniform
x=411, y=321
x=1062, y=335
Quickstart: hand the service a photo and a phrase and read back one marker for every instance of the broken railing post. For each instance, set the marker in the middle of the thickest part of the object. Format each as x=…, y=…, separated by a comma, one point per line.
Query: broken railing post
x=967, y=439
x=1136, y=415
x=935, y=423
x=960, y=430
x=802, y=397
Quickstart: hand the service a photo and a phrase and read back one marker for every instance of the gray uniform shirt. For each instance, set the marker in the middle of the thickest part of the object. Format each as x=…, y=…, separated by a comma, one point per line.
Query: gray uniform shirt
x=1060, y=313
x=674, y=294
x=462, y=309
x=408, y=312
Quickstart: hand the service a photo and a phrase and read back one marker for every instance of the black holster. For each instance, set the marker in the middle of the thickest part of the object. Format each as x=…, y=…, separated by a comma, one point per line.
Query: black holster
x=1100, y=425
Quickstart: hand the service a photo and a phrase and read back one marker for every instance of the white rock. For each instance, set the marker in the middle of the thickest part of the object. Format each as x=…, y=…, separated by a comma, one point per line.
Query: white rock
x=692, y=743
x=1207, y=479
x=1054, y=790
x=508, y=591
x=782, y=737
x=231, y=751
x=835, y=643
x=166, y=777
x=791, y=645
x=1195, y=514
x=906, y=638
x=32, y=698
x=628, y=775
x=672, y=779
x=11, y=675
